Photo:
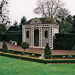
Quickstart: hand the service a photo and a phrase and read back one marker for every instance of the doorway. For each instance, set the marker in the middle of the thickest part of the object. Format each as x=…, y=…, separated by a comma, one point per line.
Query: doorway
x=36, y=37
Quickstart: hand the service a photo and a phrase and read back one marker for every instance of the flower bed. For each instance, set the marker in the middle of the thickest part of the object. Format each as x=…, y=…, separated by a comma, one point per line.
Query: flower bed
x=37, y=55
x=29, y=58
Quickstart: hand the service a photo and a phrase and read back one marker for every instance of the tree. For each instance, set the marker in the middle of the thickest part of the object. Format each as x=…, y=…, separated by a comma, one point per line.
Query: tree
x=69, y=19
x=50, y=8
x=23, y=20
x=4, y=47
x=2, y=28
x=4, y=12
x=73, y=26
x=65, y=27
x=12, y=28
x=62, y=14
x=24, y=45
x=15, y=23
x=47, y=52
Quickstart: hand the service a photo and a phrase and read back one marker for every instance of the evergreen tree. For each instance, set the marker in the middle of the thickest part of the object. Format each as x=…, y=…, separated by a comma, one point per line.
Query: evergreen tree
x=23, y=20
x=15, y=23
x=65, y=27
x=47, y=52
x=4, y=47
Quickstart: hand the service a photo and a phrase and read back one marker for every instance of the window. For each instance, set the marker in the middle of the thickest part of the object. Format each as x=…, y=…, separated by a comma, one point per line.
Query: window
x=35, y=21
x=27, y=34
x=46, y=34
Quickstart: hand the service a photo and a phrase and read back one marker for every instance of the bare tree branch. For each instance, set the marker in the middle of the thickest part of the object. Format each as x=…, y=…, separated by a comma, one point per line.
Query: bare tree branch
x=3, y=11
x=49, y=8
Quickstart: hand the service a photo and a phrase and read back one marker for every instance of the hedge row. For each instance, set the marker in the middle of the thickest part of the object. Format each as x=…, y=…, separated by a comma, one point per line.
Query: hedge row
x=37, y=59
x=17, y=51
x=15, y=37
x=64, y=41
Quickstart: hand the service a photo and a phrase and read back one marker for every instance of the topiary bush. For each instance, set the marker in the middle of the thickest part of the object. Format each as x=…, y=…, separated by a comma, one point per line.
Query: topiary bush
x=47, y=52
x=24, y=45
x=4, y=47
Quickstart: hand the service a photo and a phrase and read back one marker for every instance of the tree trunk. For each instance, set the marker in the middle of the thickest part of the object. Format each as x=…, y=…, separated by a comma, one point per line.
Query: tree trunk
x=24, y=50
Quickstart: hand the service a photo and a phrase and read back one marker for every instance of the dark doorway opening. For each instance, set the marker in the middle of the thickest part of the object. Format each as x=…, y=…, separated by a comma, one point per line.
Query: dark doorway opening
x=36, y=37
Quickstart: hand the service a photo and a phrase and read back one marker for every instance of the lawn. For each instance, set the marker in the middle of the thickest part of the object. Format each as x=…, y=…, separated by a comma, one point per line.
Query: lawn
x=10, y=66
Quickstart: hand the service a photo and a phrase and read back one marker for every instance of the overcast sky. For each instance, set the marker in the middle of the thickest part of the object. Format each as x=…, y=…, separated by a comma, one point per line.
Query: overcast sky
x=18, y=8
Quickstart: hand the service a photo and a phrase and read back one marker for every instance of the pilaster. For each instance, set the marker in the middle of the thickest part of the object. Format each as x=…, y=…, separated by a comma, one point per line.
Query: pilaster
x=40, y=36
x=23, y=33
x=32, y=36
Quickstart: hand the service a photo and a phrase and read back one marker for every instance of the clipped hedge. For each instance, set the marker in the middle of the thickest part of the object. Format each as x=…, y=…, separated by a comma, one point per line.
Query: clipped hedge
x=38, y=59
x=2, y=37
x=16, y=51
x=64, y=41
x=15, y=37
x=62, y=55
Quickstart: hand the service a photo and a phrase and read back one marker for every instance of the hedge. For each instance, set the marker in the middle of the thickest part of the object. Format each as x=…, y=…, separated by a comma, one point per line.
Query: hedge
x=38, y=59
x=15, y=37
x=64, y=41
x=17, y=51
x=2, y=37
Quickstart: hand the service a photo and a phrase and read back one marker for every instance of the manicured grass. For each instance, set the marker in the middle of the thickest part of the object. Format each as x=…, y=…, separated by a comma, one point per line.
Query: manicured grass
x=10, y=66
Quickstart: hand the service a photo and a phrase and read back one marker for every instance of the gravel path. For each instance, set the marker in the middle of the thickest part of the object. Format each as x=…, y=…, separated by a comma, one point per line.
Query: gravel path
x=38, y=50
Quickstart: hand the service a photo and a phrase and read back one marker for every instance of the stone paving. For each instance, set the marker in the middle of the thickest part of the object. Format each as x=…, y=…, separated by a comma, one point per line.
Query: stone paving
x=38, y=50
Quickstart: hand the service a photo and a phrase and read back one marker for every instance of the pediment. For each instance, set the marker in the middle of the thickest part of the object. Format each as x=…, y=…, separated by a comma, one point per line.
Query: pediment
x=35, y=21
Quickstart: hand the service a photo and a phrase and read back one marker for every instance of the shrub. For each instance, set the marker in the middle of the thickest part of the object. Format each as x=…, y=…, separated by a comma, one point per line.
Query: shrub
x=23, y=53
x=69, y=56
x=42, y=56
x=24, y=45
x=63, y=57
x=33, y=55
x=4, y=47
x=47, y=52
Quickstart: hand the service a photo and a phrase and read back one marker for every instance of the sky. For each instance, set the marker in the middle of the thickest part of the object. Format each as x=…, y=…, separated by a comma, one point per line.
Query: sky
x=20, y=8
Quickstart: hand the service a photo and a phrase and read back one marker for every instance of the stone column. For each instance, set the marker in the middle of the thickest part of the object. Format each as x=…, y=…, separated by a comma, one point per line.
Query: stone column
x=23, y=33
x=51, y=37
x=40, y=36
x=32, y=36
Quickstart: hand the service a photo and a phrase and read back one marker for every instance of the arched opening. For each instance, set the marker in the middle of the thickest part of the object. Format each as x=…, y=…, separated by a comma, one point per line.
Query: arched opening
x=27, y=34
x=36, y=37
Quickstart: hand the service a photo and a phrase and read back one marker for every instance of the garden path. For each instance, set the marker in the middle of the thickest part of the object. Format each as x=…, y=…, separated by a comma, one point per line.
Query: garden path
x=38, y=50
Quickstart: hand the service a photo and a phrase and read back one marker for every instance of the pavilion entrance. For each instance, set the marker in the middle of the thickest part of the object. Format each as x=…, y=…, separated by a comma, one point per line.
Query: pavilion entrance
x=36, y=37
